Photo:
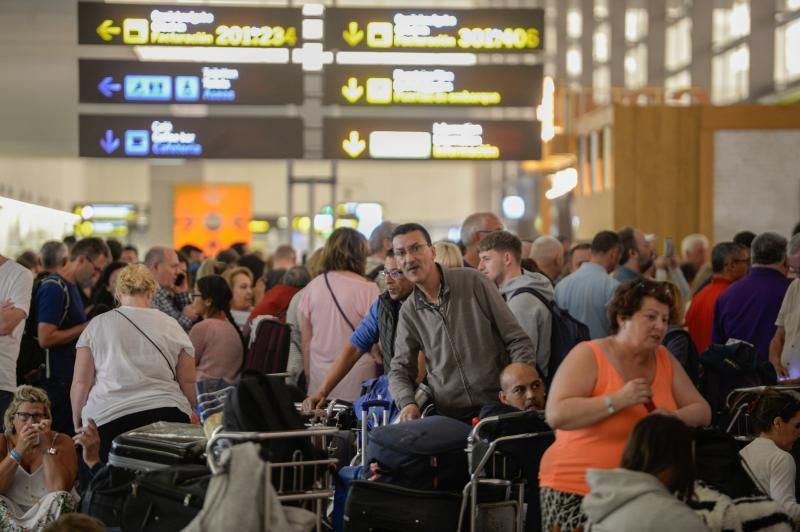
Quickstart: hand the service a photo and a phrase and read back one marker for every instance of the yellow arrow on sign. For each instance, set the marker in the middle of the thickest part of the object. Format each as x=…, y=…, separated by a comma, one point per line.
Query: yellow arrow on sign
x=107, y=29
x=352, y=92
x=353, y=35
x=353, y=146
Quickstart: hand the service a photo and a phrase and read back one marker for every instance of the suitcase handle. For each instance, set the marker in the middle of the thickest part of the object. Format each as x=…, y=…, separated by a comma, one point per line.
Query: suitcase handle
x=366, y=405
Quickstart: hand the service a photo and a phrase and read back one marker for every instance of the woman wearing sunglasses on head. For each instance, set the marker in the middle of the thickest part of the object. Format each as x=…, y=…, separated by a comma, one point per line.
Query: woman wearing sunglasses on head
x=602, y=389
x=38, y=466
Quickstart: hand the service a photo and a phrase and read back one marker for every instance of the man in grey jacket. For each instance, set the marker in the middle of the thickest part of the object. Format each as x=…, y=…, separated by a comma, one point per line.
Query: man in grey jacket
x=458, y=319
x=500, y=256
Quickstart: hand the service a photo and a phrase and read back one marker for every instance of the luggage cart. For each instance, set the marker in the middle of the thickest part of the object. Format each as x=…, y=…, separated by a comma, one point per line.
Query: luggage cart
x=739, y=402
x=290, y=479
x=502, y=477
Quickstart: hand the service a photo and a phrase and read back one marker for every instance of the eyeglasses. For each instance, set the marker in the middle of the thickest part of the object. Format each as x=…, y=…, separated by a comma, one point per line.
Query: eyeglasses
x=36, y=416
x=394, y=274
x=96, y=268
x=413, y=249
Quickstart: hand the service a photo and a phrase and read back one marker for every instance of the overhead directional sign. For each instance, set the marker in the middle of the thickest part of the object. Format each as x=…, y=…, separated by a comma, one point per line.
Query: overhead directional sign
x=484, y=85
x=188, y=25
x=206, y=83
x=445, y=139
x=468, y=30
x=140, y=137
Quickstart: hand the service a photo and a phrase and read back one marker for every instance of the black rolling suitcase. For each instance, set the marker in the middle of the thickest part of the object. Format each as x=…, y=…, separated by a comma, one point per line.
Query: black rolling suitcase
x=158, y=445
x=377, y=507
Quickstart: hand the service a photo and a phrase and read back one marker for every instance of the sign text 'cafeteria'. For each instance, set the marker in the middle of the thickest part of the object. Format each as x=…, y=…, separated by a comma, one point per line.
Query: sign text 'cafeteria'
x=496, y=30
x=142, y=137
x=188, y=25
x=440, y=86
x=420, y=139
x=207, y=83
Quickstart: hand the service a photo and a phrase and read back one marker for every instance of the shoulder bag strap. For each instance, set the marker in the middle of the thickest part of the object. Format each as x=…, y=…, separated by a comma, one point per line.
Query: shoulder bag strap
x=328, y=284
x=174, y=376
x=532, y=291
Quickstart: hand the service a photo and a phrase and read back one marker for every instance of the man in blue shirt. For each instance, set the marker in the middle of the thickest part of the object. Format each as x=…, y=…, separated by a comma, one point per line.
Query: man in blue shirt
x=748, y=309
x=636, y=256
x=586, y=292
x=377, y=327
x=61, y=318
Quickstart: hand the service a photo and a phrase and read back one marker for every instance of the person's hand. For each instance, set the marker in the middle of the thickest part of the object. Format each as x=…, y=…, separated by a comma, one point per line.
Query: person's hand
x=28, y=438
x=313, y=402
x=661, y=263
x=190, y=312
x=780, y=369
x=409, y=412
x=89, y=440
x=635, y=392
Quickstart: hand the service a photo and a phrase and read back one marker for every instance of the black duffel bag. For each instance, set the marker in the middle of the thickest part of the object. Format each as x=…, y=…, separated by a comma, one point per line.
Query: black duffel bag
x=105, y=496
x=165, y=500
x=423, y=454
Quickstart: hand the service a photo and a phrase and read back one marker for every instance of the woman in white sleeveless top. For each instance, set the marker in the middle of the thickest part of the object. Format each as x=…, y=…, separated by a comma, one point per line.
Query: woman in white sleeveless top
x=38, y=467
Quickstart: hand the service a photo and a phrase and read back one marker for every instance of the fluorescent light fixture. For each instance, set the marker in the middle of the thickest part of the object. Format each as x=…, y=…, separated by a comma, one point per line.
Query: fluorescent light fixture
x=545, y=113
x=513, y=207
x=370, y=216
x=313, y=10
x=400, y=145
x=209, y=54
x=312, y=29
x=406, y=58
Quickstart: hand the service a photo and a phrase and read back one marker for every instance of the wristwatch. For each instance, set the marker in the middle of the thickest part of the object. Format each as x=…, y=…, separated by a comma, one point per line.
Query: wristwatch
x=609, y=405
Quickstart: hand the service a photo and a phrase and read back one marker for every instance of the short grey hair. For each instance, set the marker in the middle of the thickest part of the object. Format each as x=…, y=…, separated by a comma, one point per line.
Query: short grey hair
x=794, y=244
x=155, y=255
x=472, y=224
x=546, y=249
x=690, y=240
x=768, y=248
x=52, y=254
x=297, y=276
x=380, y=234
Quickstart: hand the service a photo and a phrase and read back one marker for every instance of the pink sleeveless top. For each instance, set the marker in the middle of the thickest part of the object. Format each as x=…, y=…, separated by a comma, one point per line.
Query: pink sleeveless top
x=599, y=446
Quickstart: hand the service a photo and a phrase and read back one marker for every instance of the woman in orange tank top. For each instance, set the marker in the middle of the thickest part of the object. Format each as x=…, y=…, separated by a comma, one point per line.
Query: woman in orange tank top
x=602, y=389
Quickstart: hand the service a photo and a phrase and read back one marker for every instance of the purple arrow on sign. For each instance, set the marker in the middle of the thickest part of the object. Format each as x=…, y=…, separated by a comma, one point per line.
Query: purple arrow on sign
x=107, y=87
x=109, y=143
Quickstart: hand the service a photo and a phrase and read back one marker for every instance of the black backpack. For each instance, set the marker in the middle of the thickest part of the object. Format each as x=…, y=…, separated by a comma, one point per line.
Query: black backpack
x=269, y=352
x=720, y=466
x=566, y=332
x=32, y=359
x=681, y=346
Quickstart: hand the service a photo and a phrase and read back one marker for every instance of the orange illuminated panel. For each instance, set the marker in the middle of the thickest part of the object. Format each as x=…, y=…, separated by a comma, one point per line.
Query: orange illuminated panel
x=211, y=217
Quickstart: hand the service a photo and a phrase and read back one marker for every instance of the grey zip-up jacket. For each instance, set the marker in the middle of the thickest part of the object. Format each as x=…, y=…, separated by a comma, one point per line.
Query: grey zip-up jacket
x=467, y=340
x=533, y=316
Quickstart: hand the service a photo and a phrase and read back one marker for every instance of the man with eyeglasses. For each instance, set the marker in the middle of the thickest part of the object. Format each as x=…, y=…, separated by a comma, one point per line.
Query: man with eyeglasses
x=379, y=327
x=459, y=320
x=16, y=283
x=61, y=318
x=729, y=262
x=172, y=297
x=475, y=227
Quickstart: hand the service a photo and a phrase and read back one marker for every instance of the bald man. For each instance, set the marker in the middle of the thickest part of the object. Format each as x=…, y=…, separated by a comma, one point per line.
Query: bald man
x=548, y=253
x=521, y=387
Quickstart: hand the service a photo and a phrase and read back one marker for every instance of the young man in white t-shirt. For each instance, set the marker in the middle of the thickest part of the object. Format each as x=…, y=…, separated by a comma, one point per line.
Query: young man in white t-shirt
x=16, y=283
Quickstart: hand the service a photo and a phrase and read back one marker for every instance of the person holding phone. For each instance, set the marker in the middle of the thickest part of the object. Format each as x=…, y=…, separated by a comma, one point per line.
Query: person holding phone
x=602, y=389
x=172, y=296
x=38, y=467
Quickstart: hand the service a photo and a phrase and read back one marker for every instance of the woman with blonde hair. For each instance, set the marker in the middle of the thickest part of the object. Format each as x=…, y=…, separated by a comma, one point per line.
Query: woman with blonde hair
x=38, y=466
x=133, y=366
x=448, y=255
x=240, y=280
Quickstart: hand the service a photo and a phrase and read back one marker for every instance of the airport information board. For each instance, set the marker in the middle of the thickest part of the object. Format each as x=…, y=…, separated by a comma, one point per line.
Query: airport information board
x=188, y=25
x=440, y=86
x=431, y=139
x=140, y=137
x=498, y=30
x=104, y=81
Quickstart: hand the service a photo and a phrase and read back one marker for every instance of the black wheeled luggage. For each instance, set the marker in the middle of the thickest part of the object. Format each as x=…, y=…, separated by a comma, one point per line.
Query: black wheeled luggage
x=378, y=507
x=158, y=445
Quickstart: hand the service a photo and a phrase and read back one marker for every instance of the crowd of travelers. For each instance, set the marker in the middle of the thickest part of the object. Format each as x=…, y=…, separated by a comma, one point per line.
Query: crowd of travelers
x=96, y=340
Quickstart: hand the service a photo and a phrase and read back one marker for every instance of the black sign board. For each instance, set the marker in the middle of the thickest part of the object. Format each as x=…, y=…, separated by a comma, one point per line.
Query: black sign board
x=198, y=83
x=141, y=137
x=439, y=86
x=431, y=139
x=495, y=30
x=188, y=25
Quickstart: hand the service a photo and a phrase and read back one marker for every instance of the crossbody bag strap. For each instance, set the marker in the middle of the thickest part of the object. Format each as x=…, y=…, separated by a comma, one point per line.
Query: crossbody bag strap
x=174, y=376
x=328, y=284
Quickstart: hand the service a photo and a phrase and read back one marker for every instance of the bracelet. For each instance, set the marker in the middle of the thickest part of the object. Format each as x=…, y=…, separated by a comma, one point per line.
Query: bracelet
x=610, y=405
x=15, y=456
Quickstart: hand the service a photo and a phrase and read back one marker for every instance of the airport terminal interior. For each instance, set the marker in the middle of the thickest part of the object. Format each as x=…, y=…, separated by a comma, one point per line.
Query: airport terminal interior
x=373, y=265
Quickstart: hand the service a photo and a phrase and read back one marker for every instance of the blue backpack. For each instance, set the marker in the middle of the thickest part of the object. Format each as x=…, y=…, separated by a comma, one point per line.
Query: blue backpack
x=375, y=389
